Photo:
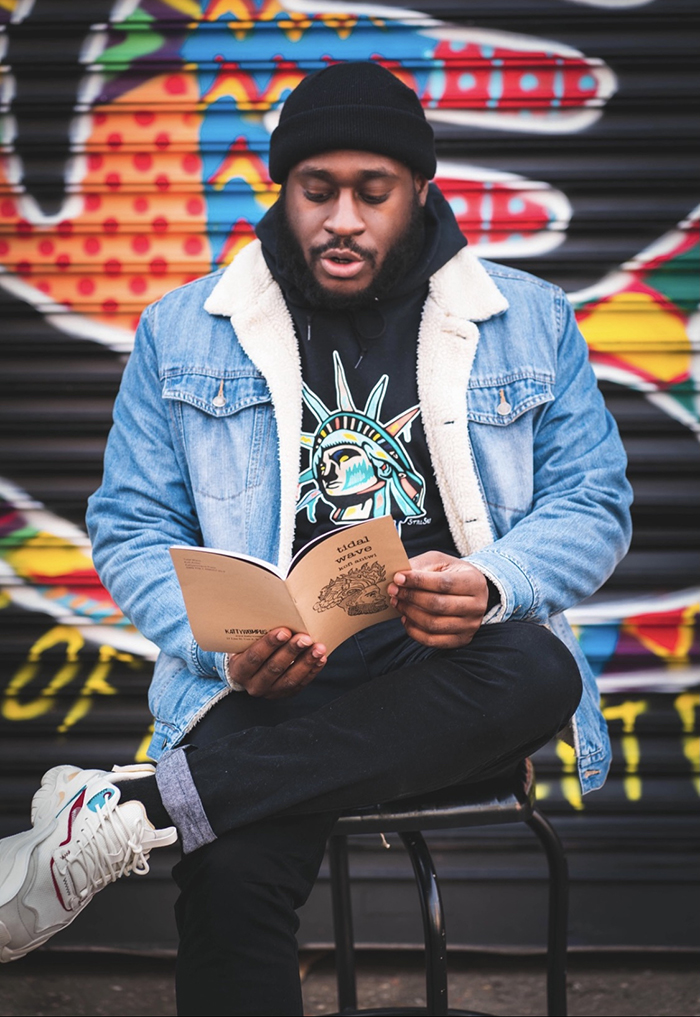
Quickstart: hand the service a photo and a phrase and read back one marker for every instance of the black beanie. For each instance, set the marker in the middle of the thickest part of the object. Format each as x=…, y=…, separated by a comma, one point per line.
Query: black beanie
x=359, y=106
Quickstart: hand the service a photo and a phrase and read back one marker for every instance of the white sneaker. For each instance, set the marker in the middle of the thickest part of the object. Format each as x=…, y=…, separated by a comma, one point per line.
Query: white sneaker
x=81, y=840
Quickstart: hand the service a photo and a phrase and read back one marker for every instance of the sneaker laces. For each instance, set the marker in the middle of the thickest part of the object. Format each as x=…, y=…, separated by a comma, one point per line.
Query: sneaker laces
x=106, y=849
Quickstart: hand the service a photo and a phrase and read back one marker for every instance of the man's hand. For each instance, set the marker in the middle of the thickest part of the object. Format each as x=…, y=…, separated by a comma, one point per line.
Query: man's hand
x=277, y=665
x=442, y=600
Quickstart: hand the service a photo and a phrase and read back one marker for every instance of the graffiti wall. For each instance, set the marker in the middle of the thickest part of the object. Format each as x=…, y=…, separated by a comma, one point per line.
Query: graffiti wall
x=134, y=158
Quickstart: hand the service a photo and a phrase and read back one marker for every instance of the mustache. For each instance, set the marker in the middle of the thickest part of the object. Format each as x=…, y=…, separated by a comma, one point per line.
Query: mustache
x=344, y=244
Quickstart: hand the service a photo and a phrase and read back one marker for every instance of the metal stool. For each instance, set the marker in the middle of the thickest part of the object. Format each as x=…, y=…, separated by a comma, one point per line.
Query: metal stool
x=503, y=800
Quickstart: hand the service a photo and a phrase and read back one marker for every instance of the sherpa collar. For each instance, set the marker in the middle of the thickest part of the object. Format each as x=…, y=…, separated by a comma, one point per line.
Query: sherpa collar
x=462, y=288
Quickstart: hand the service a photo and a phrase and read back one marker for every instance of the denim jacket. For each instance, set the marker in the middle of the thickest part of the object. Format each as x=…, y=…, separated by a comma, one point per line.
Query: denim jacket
x=205, y=449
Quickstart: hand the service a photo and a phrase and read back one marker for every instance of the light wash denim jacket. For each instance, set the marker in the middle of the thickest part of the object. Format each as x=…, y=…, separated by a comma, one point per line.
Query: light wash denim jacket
x=205, y=449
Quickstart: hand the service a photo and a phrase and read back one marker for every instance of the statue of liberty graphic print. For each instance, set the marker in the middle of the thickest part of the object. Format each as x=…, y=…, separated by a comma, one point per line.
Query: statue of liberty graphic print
x=358, y=465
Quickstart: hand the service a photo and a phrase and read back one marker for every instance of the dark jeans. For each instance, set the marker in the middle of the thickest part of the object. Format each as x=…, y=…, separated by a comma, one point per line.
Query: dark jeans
x=386, y=718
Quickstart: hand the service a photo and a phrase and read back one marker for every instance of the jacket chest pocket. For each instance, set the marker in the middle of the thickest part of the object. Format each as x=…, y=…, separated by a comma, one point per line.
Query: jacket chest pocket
x=503, y=414
x=502, y=401
x=223, y=423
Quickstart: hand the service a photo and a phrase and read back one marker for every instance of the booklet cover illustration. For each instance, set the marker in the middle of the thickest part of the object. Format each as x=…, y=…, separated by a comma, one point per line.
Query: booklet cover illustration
x=335, y=586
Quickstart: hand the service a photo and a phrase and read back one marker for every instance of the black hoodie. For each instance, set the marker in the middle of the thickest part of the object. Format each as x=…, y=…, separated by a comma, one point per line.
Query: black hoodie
x=366, y=455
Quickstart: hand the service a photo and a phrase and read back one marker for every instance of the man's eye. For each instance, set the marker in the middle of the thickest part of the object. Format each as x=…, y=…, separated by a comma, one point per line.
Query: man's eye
x=374, y=199
x=317, y=196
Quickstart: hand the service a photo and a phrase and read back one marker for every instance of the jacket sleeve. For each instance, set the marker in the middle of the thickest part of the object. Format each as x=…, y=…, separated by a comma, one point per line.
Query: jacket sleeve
x=578, y=527
x=143, y=506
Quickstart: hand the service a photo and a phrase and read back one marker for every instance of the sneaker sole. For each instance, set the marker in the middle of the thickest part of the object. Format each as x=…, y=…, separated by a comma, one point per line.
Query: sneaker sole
x=8, y=955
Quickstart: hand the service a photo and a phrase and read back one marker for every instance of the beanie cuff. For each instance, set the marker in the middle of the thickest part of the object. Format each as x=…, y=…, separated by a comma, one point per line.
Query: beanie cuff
x=382, y=129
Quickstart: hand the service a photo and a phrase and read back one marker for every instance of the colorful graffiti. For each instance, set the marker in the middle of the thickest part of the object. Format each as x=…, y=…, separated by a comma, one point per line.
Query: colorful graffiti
x=162, y=176
x=167, y=170
x=634, y=777
x=642, y=323
x=648, y=642
x=46, y=567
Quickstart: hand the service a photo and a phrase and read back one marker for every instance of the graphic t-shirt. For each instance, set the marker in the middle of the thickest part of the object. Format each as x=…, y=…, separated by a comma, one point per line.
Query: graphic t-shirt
x=364, y=452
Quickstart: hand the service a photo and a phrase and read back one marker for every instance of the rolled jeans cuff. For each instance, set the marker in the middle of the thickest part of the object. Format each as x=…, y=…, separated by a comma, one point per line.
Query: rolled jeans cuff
x=181, y=800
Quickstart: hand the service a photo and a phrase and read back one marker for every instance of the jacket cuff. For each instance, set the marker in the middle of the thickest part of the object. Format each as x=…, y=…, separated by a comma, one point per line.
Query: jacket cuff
x=517, y=596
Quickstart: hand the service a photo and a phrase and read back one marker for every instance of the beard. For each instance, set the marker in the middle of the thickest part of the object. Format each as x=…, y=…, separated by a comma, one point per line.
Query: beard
x=400, y=257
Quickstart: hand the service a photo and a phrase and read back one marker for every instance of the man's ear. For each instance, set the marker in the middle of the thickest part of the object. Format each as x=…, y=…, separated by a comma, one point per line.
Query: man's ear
x=421, y=185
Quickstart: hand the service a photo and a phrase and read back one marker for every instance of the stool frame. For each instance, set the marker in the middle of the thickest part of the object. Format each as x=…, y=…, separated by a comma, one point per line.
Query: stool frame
x=466, y=805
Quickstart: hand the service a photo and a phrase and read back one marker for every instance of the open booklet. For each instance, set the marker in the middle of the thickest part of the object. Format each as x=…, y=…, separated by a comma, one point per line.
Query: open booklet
x=335, y=586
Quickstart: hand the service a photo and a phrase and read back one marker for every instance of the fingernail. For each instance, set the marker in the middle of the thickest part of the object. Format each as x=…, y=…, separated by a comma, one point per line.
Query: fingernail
x=392, y=589
x=304, y=642
x=282, y=636
x=400, y=579
x=317, y=654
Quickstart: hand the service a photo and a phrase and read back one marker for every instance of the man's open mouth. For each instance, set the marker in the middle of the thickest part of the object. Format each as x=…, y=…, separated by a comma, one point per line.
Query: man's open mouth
x=342, y=257
x=341, y=264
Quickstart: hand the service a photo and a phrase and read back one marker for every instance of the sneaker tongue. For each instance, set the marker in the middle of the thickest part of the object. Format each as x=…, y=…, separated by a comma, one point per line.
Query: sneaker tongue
x=133, y=811
x=130, y=853
x=159, y=838
x=63, y=881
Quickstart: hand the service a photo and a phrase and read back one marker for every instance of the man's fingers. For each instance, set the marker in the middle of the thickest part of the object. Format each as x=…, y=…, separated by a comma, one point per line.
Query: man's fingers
x=297, y=677
x=441, y=599
x=277, y=658
x=459, y=581
x=284, y=673
x=439, y=624
x=247, y=663
x=433, y=603
x=435, y=582
x=440, y=641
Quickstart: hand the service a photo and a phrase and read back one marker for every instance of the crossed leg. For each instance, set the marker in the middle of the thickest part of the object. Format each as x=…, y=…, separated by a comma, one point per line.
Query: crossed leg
x=255, y=805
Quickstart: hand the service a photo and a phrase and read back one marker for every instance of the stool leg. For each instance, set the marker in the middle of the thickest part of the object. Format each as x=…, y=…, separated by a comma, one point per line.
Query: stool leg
x=433, y=923
x=342, y=923
x=558, y=914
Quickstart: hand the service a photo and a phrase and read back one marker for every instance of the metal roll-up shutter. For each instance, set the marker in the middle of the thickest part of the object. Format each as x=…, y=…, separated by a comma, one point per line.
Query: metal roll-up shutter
x=135, y=136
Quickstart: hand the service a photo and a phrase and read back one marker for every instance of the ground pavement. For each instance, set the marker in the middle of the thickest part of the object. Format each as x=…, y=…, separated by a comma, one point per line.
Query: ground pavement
x=612, y=985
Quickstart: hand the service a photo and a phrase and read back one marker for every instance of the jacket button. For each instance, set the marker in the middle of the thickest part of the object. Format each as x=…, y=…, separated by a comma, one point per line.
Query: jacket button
x=504, y=407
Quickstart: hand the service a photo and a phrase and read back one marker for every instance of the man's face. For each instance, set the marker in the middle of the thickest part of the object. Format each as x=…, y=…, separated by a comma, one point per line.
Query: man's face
x=357, y=219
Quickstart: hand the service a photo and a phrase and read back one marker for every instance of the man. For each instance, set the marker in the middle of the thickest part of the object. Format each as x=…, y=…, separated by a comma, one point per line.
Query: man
x=335, y=371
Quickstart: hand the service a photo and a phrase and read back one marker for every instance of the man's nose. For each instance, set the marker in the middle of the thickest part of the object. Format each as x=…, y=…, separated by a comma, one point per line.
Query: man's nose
x=344, y=218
